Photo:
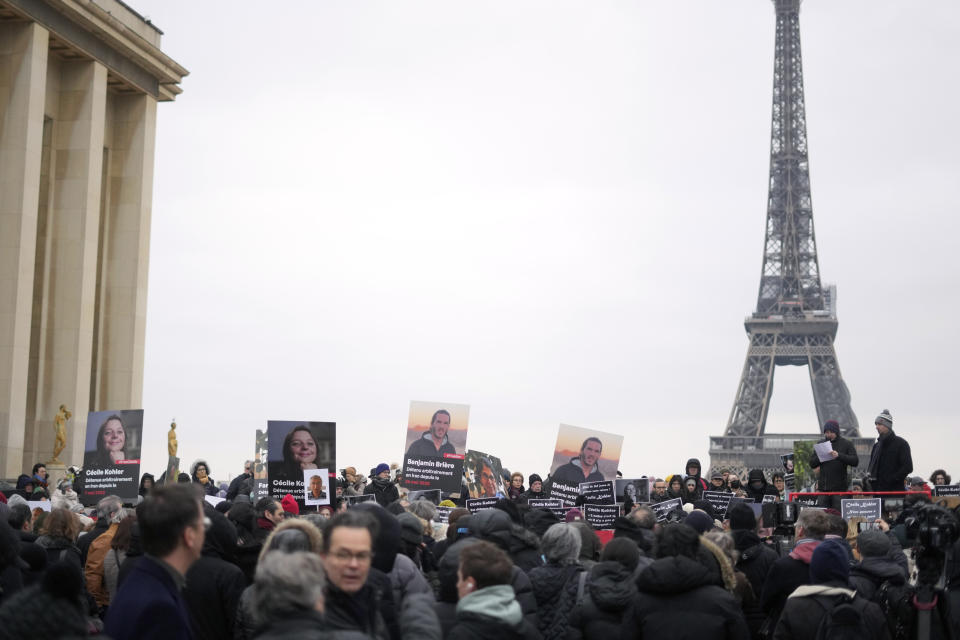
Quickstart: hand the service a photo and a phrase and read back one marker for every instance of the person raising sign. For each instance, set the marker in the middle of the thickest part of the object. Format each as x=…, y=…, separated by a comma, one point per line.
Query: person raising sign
x=583, y=468
x=434, y=443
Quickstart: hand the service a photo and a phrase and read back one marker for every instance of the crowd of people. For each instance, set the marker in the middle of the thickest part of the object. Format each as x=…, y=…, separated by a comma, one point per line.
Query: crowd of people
x=197, y=559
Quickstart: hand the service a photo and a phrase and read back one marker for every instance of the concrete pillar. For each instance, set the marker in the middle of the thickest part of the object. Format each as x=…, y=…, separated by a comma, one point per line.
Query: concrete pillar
x=67, y=316
x=122, y=324
x=23, y=71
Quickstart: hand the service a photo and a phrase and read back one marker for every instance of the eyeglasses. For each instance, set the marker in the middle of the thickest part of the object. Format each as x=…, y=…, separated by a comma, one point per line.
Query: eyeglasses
x=344, y=556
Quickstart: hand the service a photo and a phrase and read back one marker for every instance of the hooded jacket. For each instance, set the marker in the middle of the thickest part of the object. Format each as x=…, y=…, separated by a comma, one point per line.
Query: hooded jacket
x=867, y=576
x=214, y=583
x=609, y=594
x=833, y=473
x=447, y=575
x=679, y=588
x=701, y=483
x=491, y=613
x=755, y=561
x=756, y=494
x=808, y=604
x=523, y=547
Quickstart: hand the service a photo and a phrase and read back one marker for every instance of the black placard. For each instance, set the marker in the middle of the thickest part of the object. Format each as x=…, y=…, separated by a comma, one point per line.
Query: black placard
x=601, y=516
x=947, y=490
x=443, y=514
x=661, y=509
x=430, y=495
x=600, y=492
x=720, y=501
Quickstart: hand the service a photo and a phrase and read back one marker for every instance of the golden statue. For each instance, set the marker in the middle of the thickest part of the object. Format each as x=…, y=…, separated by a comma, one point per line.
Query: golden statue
x=60, y=433
x=172, y=439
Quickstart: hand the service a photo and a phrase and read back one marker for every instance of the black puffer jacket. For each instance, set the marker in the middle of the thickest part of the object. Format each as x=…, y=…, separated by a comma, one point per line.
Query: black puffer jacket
x=806, y=607
x=523, y=547
x=677, y=600
x=833, y=473
x=383, y=491
x=867, y=576
x=608, y=596
x=555, y=588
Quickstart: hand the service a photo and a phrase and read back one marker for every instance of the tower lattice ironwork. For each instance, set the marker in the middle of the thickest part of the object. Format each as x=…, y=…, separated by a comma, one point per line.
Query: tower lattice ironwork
x=795, y=322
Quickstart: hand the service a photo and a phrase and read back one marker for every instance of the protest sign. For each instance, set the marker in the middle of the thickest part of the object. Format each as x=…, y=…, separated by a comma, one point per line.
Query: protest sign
x=111, y=459
x=735, y=500
x=662, y=509
x=581, y=455
x=601, y=516
x=261, y=482
x=479, y=504
x=443, y=514
x=316, y=486
x=866, y=508
x=598, y=492
x=295, y=446
x=430, y=495
x=483, y=475
x=39, y=504
x=637, y=489
x=213, y=500
x=545, y=503
x=435, y=446
x=947, y=490
x=355, y=500
x=806, y=500
x=787, y=461
x=720, y=501
x=824, y=451
x=769, y=499
x=789, y=482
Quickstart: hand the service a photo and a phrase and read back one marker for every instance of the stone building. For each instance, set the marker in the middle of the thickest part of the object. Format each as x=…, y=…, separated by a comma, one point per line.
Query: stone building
x=79, y=86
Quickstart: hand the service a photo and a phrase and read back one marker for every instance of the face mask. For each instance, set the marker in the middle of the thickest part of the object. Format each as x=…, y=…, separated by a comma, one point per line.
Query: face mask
x=734, y=484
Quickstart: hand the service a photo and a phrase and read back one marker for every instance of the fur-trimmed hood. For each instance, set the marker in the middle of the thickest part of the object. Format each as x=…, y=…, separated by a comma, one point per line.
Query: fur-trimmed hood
x=312, y=532
x=726, y=567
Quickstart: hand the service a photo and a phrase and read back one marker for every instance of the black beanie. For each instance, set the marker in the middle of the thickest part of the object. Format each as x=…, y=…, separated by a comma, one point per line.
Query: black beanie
x=742, y=517
x=831, y=425
x=533, y=478
x=830, y=563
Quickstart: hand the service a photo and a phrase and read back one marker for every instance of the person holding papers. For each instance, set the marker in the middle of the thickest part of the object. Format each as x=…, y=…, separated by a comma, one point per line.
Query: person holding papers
x=833, y=465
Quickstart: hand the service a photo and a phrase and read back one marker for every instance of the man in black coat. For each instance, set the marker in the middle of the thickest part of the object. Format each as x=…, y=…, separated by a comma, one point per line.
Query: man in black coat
x=757, y=486
x=833, y=472
x=382, y=488
x=890, y=460
x=237, y=483
x=754, y=562
x=214, y=582
x=793, y=570
x=679, y=597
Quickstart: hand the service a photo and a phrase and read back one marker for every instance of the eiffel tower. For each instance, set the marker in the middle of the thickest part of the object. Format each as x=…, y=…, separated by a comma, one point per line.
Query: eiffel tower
x=795, y=322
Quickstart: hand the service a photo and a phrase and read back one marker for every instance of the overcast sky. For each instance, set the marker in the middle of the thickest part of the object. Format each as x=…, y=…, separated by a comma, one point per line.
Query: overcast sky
x=551, y=211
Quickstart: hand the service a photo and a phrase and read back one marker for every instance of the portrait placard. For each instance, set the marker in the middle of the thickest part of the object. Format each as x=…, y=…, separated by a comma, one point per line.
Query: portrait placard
x=435, y=445
x=111, y=459
x=581, y=455
x=295, y=446
x=483, y=475
x=637, y=489
x=316, y=486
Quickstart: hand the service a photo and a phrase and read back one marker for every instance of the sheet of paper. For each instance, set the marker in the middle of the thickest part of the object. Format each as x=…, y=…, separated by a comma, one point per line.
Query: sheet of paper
x=824, y=449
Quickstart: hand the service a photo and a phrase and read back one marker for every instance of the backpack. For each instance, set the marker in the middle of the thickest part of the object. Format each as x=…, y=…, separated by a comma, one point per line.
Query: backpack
x=896, y=602
x=844, y=620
